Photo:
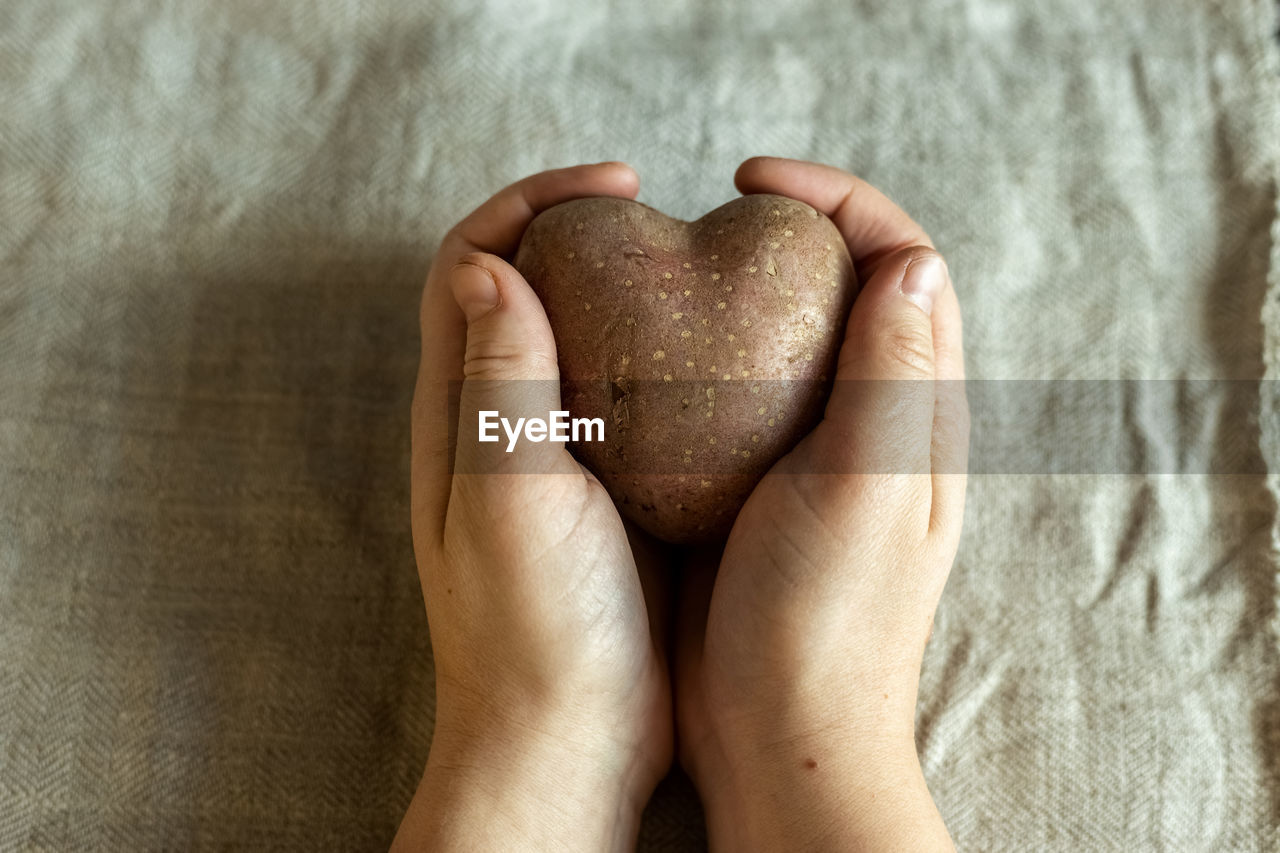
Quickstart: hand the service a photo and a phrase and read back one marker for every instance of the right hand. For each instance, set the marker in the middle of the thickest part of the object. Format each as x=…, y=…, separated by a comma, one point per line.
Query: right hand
x=798, y=662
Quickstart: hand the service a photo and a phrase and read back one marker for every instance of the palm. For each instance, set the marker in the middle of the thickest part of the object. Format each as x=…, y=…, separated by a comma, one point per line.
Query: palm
x=609, y=578
x=627, y=582
x=738, y=608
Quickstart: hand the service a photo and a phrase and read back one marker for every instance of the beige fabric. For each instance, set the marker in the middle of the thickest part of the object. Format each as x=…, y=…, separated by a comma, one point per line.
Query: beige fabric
x=216, y=219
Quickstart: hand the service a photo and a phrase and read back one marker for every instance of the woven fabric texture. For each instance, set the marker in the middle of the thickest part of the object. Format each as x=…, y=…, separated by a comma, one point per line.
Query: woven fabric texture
x=215, y=220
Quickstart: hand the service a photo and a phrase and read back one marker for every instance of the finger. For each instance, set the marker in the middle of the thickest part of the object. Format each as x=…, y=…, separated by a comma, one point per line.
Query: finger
x=510, y=376
x=879, y=418
x=497, y=225
x=950, y=451
x=872, y=225
x=443, y=331
x=490, y=229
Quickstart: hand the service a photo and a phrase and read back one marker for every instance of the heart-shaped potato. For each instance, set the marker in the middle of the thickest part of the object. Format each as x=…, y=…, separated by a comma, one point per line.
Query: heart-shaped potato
x=707, y=347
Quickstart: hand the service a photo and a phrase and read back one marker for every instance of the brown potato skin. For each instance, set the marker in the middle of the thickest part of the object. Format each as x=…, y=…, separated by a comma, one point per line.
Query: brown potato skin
x=651, y=314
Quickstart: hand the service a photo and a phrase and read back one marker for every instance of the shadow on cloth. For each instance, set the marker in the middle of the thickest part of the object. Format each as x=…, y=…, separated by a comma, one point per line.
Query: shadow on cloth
x=281, y=610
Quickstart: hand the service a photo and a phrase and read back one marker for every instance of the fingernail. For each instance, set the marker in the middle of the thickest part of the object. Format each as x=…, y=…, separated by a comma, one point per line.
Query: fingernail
x=475, y=290
x=923, y=281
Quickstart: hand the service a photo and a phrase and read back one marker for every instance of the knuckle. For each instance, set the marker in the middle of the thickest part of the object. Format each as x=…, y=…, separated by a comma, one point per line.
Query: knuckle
x=496, y=358
x=452, y=245
x=908, y=347
x=478, y=259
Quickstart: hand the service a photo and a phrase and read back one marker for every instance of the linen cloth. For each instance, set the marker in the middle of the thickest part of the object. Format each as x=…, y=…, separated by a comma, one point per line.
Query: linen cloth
x=215, y=220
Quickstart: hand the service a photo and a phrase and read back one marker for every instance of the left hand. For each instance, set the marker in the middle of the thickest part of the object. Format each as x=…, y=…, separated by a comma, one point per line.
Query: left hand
x=553, y=720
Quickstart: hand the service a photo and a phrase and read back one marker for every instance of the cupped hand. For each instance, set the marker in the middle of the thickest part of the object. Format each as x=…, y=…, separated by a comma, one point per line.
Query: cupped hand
x=798, y=661
x=553, y=710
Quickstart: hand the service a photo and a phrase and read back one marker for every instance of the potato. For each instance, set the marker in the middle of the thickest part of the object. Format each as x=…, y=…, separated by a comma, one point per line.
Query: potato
x=707, y=347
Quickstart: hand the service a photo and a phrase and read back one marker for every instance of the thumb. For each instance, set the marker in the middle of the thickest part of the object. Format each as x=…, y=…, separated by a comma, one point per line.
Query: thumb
x=509, y=372
x=880, y=413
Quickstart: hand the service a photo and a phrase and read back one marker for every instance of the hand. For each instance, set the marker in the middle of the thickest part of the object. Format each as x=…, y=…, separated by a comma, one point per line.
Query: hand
x=798, y=662
x=553, y=708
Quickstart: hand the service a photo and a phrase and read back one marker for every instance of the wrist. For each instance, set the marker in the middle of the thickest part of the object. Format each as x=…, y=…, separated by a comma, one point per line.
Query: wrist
x=816, y=782
x=529, y=785
x=820, y=796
